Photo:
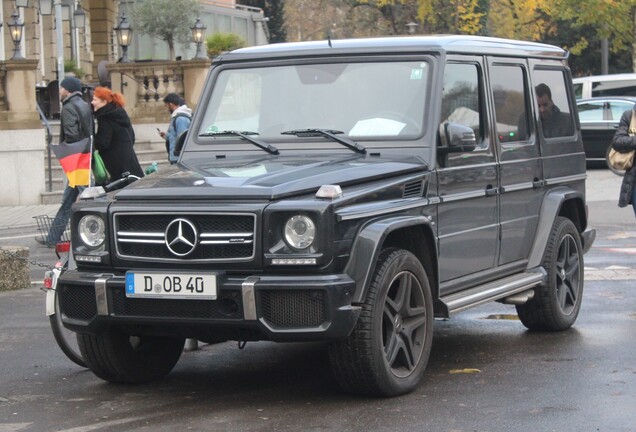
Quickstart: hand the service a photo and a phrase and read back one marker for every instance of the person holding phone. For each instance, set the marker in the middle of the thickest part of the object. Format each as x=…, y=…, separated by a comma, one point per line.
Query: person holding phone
x=180, y=119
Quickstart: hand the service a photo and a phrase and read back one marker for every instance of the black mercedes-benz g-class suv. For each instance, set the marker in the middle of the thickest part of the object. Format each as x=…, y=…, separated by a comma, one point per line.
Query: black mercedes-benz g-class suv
x=346, y=191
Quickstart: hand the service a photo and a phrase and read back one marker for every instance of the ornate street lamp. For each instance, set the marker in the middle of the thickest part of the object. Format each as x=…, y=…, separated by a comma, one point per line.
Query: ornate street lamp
x=46, y=7
x=15, y=30
x=198, y=33
x=79, y=17
x=21, y=3
x=124, y=34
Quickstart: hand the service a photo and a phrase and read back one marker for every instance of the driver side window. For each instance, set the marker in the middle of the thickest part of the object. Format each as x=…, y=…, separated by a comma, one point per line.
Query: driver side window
x=461, y=105
x=460, y=102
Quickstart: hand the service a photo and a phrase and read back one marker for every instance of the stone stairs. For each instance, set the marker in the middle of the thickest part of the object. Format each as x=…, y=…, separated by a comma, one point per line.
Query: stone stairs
x=148, y=151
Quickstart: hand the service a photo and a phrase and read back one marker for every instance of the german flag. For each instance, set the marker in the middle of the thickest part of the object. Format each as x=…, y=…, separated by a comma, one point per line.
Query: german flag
x=75, y=159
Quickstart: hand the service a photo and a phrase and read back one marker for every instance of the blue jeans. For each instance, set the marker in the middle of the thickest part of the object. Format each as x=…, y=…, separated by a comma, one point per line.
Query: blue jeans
x=58, y=226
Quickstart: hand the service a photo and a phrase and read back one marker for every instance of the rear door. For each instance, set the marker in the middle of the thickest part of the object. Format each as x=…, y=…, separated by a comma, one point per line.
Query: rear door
x=521, y=174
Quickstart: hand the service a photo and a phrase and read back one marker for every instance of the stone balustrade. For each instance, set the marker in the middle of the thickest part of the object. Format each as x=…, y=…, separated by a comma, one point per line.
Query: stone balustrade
x=22, y=136
x=144, y=85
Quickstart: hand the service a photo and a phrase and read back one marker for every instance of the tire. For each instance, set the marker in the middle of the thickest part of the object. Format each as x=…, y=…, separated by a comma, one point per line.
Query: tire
x=66, y=339
x=119, y=358
x=619, y=173
x=388, y=350
x=556, y=304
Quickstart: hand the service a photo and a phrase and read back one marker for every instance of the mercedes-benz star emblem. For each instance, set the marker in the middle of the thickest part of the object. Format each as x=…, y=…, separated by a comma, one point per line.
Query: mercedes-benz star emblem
x=181, y=237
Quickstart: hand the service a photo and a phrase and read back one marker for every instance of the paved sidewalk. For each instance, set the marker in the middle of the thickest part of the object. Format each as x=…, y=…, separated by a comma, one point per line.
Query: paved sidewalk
x=23, y=216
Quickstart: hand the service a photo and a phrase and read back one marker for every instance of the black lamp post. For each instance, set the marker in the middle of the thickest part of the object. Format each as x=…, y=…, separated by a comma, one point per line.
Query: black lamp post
x=198, y=33
x=15, y=30
x=79, y=17
x=124, y=34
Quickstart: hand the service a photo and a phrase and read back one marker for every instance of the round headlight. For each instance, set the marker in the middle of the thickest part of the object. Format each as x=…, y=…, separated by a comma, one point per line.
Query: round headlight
x=300, y=232
x=92, y=230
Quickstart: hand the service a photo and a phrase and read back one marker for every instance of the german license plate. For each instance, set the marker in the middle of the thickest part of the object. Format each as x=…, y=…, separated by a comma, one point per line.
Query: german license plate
x=171, y=285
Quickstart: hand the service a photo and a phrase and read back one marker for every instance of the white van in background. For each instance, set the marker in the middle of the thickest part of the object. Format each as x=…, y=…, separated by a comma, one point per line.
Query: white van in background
x=605, y=85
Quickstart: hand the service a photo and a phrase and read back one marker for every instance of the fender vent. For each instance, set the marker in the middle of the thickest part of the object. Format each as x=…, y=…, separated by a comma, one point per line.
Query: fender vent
x=413, y=189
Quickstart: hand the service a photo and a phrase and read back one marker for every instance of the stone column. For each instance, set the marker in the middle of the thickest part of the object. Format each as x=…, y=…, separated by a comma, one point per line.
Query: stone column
x=22, y=138
x=194, y=74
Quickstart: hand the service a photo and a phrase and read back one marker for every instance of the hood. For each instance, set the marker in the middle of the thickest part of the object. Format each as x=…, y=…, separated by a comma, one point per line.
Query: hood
x=259, y=177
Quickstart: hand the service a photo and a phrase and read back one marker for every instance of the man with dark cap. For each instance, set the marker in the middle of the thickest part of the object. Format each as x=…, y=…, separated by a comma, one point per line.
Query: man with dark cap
x=180, y=118
x=76, y=123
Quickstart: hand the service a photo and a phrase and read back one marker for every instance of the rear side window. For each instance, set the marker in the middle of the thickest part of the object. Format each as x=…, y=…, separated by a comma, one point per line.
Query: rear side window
x=614, y=88
x=594, y=111
x=553, y=103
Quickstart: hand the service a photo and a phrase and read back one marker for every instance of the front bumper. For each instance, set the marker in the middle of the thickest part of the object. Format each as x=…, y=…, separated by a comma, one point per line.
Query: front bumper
x=278, y=308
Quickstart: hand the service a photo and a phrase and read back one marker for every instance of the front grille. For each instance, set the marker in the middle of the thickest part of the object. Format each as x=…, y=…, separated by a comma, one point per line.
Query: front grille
x=220, y=237
x=228, y=305
x=293, y=308
x=77, y=302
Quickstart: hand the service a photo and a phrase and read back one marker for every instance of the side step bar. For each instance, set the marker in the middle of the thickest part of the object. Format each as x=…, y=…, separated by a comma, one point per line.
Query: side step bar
x=491, y=291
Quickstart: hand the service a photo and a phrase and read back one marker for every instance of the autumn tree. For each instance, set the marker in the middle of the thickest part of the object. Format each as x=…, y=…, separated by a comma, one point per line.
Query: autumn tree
x=168, y=20
x=319, y=19
x=612, y=19
x=451, y=16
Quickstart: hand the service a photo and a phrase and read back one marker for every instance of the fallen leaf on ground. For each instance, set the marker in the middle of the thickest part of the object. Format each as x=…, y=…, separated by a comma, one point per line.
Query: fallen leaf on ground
x=464, y=371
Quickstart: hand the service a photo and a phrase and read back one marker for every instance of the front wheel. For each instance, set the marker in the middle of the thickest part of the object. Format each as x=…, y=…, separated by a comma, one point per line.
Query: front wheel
x=119, y=358
x=557, y=303
x=388, y=350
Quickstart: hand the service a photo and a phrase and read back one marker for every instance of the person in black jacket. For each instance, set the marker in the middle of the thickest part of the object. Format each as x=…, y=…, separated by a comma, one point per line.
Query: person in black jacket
x=623, y=142
x=115, y=136
x=76, y=123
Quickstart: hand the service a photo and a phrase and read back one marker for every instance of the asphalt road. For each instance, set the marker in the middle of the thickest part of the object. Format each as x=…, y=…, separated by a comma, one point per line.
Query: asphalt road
x=486, y=372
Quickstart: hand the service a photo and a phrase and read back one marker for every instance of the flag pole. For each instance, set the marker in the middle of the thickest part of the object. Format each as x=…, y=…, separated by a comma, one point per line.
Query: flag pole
x=90, y=164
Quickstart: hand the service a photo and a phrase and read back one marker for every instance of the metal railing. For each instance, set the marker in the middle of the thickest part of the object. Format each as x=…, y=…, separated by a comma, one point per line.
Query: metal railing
x=49, y=138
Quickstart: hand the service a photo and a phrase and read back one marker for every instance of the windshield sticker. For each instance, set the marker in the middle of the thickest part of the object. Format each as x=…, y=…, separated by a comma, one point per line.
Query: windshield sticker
x=212, y=129
x=417, y=74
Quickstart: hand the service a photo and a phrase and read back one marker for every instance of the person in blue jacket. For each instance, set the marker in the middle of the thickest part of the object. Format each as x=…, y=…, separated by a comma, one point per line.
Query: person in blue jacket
x=180, y=119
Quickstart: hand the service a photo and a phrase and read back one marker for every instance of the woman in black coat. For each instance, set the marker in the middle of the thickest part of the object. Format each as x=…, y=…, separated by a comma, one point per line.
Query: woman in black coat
x=115, y=136
x=623, y=142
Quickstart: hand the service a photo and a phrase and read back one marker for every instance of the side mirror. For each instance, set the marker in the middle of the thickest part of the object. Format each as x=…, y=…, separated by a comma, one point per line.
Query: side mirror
x=180, y=142
x=456, y=138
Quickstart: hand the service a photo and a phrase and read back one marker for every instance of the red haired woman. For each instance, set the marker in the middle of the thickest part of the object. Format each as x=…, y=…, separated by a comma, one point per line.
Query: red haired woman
x=115, y=135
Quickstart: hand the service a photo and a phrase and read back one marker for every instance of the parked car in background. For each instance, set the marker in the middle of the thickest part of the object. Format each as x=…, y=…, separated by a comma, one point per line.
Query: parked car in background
x=605, y=85
x=599, y=119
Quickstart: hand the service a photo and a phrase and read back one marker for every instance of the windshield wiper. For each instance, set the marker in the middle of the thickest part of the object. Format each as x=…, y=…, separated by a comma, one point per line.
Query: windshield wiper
x=359, y=148
x=246, y=136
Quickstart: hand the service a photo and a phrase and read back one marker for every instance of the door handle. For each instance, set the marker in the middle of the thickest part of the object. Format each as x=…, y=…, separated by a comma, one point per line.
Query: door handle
x=536, y=184
x=491, y=191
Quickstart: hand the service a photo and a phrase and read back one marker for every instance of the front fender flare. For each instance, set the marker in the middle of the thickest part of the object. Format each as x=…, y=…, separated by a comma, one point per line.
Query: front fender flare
x=367, y=245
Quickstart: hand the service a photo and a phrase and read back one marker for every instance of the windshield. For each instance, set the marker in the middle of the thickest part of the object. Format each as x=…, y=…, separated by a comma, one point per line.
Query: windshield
x=380, y=99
